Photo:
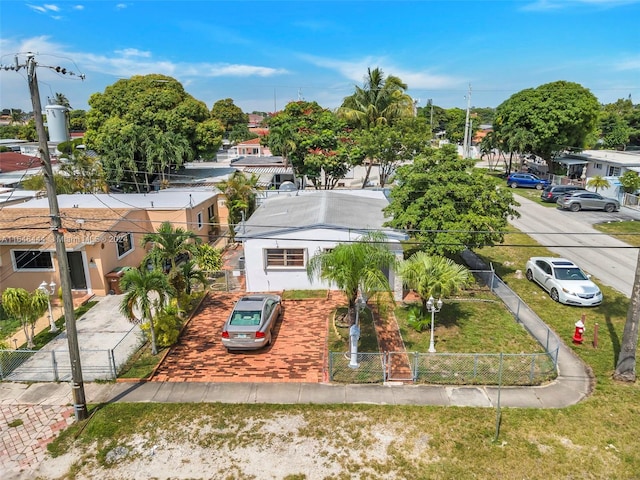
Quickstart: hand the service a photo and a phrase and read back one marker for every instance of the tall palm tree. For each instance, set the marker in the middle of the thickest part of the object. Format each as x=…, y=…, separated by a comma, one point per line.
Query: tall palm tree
x=61, y=99
x=145, y=293
x=166, y=150
x=355, y=267
x=26, y=307
x=433, y=276
x=169, y=242
x=380, y=100
x=240, y=192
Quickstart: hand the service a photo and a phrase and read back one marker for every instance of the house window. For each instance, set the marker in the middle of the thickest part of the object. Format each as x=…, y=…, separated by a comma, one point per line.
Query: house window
x=614, y=172
x=598, y=166
x=32, y=260
x=285, y=257
x=199, y=220
x=124, y=242
x=210, y=212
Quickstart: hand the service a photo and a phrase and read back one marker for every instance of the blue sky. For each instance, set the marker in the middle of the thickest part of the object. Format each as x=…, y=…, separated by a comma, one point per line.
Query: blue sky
x=267, y=53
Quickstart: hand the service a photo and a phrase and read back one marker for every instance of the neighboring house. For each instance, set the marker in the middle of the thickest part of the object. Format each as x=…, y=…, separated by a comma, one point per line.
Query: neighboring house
x=252, y=147
x=609, y=164
x=287, y=230
x=102, y=232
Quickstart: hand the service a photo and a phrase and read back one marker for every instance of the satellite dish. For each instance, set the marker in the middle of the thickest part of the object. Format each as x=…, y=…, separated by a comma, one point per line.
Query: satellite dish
x=287, y=187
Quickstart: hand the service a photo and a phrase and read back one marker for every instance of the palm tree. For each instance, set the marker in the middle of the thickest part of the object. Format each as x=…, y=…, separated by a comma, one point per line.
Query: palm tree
x=26, y=307
x=241, y=198
x=192, y=275
x=379, y=101
x=433, y=276
x=61, y=99
x=140, y=286
x=598, y=181
x=355, y=267
x=166, y=150
x=169, y=243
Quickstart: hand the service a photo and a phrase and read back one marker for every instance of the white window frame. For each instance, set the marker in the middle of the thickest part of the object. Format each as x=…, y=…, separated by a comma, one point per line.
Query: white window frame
x=41, y=252
x=118, y=239
x=285, y=259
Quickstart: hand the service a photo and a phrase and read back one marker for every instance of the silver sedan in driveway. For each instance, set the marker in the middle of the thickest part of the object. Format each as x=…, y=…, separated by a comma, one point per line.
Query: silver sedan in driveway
x=584, y=200
x=251, y=323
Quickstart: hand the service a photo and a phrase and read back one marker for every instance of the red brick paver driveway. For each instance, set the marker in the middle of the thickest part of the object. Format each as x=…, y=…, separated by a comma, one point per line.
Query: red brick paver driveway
x=297, y=354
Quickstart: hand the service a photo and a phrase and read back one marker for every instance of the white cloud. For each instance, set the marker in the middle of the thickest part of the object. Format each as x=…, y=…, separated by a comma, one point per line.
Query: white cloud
x=53, y=8
x=133, y=52
x=78, y=7
x=628, y=64
x=356, y=71
x=37, y=8
x=121, y=6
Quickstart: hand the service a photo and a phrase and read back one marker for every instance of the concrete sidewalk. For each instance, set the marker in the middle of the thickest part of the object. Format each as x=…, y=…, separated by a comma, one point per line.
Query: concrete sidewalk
x=563, y=392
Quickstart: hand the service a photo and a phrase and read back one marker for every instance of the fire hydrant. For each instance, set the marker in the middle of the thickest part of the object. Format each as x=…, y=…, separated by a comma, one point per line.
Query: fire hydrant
x=577, y=335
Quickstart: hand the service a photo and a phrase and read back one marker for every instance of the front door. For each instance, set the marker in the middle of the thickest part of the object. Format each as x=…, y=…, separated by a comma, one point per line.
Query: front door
x=76, y=268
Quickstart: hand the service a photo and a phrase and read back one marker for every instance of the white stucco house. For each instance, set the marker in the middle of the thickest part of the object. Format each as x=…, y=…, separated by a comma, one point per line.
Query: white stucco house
x=287, y=230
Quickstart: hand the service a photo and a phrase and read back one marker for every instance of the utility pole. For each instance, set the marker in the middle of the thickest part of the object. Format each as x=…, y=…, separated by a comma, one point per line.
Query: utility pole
x=467, y=128
x=77, y=386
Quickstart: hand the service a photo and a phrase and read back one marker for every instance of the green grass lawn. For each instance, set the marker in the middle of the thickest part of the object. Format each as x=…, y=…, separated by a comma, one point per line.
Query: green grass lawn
x=628, y=232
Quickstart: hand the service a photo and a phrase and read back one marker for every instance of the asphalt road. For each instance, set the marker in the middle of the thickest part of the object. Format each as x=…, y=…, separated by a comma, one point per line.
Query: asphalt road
x=571, y=235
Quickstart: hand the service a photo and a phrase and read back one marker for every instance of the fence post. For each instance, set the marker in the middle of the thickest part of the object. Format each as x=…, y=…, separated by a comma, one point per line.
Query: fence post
x=3, y=354
x=54, y=364
x=533, y=366
x=416, y=360
x=498, y=412
x=385, y=365
x=331, y=366
x=112, y=362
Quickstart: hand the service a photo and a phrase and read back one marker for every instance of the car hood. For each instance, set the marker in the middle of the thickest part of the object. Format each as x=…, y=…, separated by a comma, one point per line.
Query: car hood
x=580, y=286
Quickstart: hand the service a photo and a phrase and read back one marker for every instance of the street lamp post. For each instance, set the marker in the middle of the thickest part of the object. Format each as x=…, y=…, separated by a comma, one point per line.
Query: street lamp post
x=433, y=308
x=49, y=289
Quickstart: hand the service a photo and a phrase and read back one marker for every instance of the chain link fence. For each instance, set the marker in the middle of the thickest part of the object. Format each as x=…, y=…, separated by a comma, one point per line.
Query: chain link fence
x=48, y=365
x=462, y=368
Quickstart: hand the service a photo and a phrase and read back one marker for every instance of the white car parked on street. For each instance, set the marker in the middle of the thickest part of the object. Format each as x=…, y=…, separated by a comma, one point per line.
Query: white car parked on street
x=564, y=280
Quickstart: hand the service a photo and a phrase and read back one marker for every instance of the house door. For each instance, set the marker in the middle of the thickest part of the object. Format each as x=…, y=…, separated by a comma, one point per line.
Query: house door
x=76, y=268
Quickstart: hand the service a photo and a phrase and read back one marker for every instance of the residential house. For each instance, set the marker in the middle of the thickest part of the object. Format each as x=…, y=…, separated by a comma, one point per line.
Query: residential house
x=610, y=164
x=287, y=230
x=102, y=232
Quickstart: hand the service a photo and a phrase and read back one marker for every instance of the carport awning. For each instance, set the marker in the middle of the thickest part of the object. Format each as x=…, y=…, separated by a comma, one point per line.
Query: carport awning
x=571, y=161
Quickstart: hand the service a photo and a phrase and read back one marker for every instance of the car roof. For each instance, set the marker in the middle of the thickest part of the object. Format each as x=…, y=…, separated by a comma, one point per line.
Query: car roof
x=252, y=302
x=556, y=262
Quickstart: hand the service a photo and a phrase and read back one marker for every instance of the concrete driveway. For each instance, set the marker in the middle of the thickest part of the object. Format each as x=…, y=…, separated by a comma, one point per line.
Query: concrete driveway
x=297, y=353
x=571, y=235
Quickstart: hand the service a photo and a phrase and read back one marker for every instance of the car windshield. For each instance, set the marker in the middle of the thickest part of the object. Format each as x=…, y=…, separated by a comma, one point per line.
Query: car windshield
x=570, y=274
x=245, y=319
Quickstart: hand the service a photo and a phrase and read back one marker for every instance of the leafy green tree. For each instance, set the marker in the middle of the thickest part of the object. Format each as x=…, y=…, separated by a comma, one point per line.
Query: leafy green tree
x=455, y=124
x=17, y=116
x=446, y=205
x=598, y=181
x=229, y=115
x=381, y=100
x=314, y=142
x=355, y=267
x=61, y=99
x=26, y=307
x=241, y=133
x=433, y=276
x=131, y=124
x=548, y=119
x=616, y=132
x=28, y=131
x=630, y=181
x=392, y=145
x=78, y=120
x=64, y=183
x=240, y=192
x=145, y=294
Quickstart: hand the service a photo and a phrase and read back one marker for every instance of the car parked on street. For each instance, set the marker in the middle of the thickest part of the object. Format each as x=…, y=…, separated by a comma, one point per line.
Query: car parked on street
x=552, y=192
x=564, y=280
x=251, y=322
x=585, y=200
x=526, y=180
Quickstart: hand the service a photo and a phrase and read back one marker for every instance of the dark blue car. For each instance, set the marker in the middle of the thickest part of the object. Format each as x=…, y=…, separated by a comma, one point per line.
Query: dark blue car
x=526, y=180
